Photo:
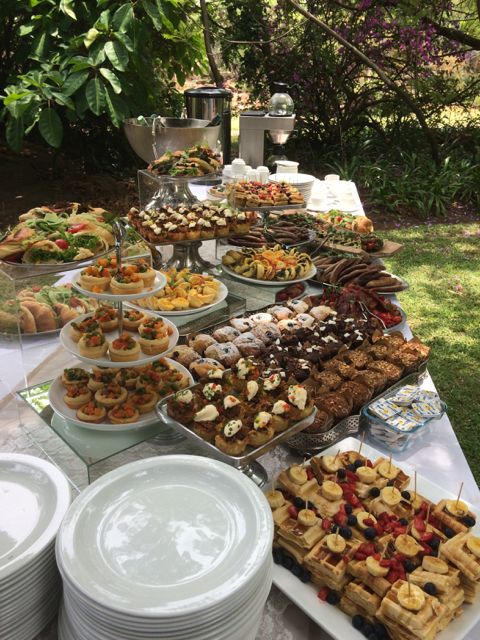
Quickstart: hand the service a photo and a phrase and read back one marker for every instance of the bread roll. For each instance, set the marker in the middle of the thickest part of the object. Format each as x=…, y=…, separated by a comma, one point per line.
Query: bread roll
x=43, y=314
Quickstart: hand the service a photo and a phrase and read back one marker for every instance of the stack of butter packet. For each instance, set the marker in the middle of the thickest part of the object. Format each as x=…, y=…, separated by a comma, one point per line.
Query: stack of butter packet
x=403, y=413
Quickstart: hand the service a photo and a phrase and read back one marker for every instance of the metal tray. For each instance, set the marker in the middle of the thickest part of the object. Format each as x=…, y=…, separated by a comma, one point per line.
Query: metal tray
x=312, y=443
x=380, y=292
x=239, y=462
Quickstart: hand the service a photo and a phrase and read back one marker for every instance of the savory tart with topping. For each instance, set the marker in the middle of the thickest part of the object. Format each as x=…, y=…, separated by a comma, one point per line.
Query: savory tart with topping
x=143, y=399
x=132, y=319
x=123, y=414
x=99, y=379
x=91, y=412
x=92, y=345
x=77, y=395
x=107, y=316
x=74, y=375
x=77, y=329
x=95, y=278
x=233, y=438
x=124, y=348
x=127, y=280
x=146, y=272
x=127, y=377
x=110, y=395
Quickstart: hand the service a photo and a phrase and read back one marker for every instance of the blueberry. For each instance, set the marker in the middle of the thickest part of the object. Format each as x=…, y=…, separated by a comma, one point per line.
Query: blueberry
x=335, y=527
x=367, y=629
x=380, y=630
x=468, y=521
x=430, y=588
x=277, y=555
x=352, y=520
x=333, y=598
x=409, y=566
x=434, y=543
x=296, y=569
x=348, y=509
x=305, y=576
x=374, y=492
x=299, y=503
x=372, y=636
x=370, y=533
x=406, y=495
x=358, y=463
x=358, y=621
x=449, y=532
x=351, y=467
x=287, y=562
x=390, y=483
x=403, y=522
x=341, y=474
x=346, y=532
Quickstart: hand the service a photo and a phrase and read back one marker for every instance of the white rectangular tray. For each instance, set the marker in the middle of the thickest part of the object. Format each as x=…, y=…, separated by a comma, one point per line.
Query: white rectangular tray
x=331, y=618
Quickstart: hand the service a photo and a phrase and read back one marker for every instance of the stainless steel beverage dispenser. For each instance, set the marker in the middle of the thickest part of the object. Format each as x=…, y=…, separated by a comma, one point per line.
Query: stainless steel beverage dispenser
x=206, y=103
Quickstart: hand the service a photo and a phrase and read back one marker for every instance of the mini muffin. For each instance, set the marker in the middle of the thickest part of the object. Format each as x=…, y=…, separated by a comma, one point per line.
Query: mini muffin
x=200, y=342
x=93, y=345
x=77, y=395
x=124, y=348
x=124, y=414
x=146, y=272
x=91, y=412
x=143, y=399
x=233, y=438
x=321, y=312
x=99, y=379
x=225, y=334
x=111, y=395
x=126, y=281
x=280, y=312
x=77, y=329
x=226, y=353
x=184, y=355
x=133, y=318
x=107, y=317
x=127, y=377
x=75, y=375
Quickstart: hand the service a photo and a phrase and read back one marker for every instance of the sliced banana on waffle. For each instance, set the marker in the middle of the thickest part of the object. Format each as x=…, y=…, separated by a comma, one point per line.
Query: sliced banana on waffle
x=331, y=464
x=407, y=545
x=456, y=508
x=275, y=499
x=411, y=597
x=297, y=474
x=391, y=496
x=374, y=568
x=362, y=516
x=434, y=565
x=473, y=545
x=335, y=543
x=331, y=490
x=387, y=470
x=367, y=475
x=307, y=517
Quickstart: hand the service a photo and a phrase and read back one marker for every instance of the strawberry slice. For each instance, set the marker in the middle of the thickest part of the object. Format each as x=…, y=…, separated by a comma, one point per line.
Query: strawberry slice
x=293, y=511
x=323, y=593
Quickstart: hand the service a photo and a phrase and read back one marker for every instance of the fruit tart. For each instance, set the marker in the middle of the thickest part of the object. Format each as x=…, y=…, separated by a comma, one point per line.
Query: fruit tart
x=110, y=395
x=127, y=377
x=124, y=348
x=146, y=272
x=77, y=395
x=127, y=281
x=263, y=430
x=143, y=399
x=99, y=379
x=107, y=317
x=95, y=278
x=91, y=412
x=233, y=438
x=132, y=319
x=124, y=414
x=93, y=345
x=77, y=329
x=75, y=375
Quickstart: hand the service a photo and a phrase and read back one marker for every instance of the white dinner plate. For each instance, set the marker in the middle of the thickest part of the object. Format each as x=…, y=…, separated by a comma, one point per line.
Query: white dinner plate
x=270, y=283
x=57, y=391
x=70, y=345
x=34, y=496
x=222, y=294
x=331, y=618
x=159, y=282
x=165, y=536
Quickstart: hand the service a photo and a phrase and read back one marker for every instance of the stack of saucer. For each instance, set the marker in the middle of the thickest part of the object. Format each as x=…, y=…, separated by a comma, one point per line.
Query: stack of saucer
x=173, y=547
x=34, y=497
x=301, y=181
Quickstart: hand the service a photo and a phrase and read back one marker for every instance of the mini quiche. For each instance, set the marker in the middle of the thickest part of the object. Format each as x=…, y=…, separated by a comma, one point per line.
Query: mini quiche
x=127, y=280
x=91, y=412
x=143, y=399
x=107, y=317
x=95, y=278
x=124, y=348
x=77, y=395
x=110, y=395
x=93, y=345
x=75, y=375
x=123, y=414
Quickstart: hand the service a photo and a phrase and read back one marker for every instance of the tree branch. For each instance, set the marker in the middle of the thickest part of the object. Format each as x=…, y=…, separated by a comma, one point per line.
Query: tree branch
x=456, y=35
x=207, y=37
x=261, y=42
x=396, y=88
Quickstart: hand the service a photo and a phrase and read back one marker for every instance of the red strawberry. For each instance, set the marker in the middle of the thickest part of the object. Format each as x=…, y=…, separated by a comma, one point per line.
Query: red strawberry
x=326, y=524
x=293, y=511
x=323, y=593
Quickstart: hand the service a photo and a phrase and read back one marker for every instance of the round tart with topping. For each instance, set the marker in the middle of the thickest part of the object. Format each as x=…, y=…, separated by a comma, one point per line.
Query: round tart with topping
x=132, y=319
x=77, y=395
x=127, y=280
x=124, y=348
x=95, y=278
x=263, y=429
x=146, y=272
x=205, y=422
x=107, y=317
x=75, y=375
x=233, y=438
x=143, y=399
x=281, y=412
x=99, y=379
x=127, y=377
x=181, y=406
x=154, y=336
x=110, y=395
x=91, y=412
x=124, y=414
x=77, y=329
x=93, y=345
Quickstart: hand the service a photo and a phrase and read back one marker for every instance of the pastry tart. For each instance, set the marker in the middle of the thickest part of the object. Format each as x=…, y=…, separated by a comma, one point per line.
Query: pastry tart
x=127, y=280
x=233, y=438
x=75, y=375
x=124, y=348
x=110, y=395
x=132, y=319
x=95, y=278
x=123, y=414
x=77, y=329
x=153, y=341
x=127, y=378
x=263, y=430
x=146, y=272
x=143, y=399
x=92, y=345
x=107, y=316
x=205, y=421
x=99, y=379
x=77, y=395
x=91, y=412
x=181, y=406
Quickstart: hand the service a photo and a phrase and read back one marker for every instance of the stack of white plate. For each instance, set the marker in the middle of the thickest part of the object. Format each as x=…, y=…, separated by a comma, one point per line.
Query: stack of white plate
x=34, y=497
x=175, y=547
x=301, y=181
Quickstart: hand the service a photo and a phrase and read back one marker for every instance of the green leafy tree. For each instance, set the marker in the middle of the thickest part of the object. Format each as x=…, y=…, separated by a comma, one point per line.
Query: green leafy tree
x=68, y=66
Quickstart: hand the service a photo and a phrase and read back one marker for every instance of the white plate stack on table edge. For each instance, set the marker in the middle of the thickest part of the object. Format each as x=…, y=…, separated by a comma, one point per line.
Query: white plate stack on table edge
x=169, y=547
x=34, y=497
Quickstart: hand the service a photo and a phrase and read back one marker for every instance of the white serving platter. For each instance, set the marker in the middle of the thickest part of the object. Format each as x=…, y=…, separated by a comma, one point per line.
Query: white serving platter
x=70, y=345
x=159, y=282
x=270, y=283
x=57, y=391
x=331, y=618
x=222, y=294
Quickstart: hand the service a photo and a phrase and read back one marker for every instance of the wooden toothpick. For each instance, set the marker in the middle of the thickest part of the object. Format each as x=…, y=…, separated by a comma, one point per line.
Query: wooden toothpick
x=390, y=463
x=409, y=588
x=336, y=456
x=361, y=444
x=415, y=488
x=458, y=497
x=428, y=514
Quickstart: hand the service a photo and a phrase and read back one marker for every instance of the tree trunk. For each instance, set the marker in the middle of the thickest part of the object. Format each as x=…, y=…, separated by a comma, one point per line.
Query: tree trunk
x=207, y=37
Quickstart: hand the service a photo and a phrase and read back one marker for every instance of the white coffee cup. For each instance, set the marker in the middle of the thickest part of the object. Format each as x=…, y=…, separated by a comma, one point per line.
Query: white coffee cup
x=286, y=166
x=331, y=177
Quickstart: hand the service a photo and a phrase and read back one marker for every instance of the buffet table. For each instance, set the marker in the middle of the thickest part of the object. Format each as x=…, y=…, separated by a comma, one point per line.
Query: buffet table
x=439, y=458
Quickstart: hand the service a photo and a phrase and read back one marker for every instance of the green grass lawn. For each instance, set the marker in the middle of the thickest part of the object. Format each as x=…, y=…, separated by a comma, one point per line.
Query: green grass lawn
x=442, y=265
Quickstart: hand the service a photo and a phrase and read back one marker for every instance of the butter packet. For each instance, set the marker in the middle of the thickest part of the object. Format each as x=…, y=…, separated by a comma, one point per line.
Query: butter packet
x=401, y=423
x=384, y=409
x=432, y=409
x=405, y=395
x=427, y=396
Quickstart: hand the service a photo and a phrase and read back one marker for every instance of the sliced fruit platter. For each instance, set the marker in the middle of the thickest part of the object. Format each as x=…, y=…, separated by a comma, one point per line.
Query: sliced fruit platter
x=95, y=338
x=198, y=160
x=335, y=270
x=367, y=552
x=266, y=265
x=42, y=310
x=59, y=234
x=107, y=399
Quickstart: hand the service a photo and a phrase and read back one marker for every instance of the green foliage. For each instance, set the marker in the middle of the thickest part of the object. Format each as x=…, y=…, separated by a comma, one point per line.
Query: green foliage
x=65, y=64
